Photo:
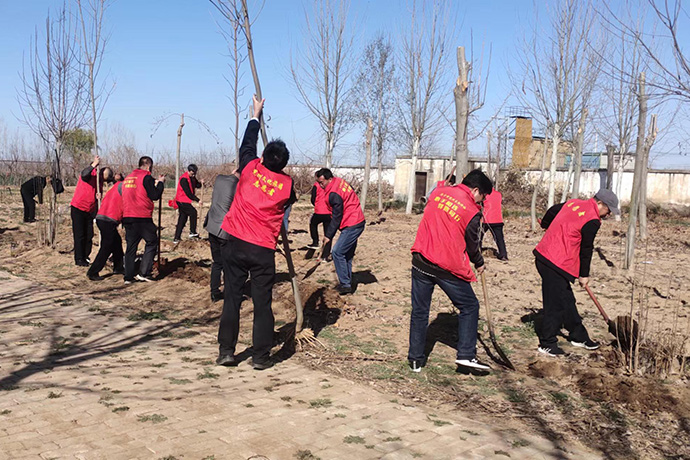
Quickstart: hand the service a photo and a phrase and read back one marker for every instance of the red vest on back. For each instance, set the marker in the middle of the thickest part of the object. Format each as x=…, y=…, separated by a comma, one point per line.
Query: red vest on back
x=352, y=209
x=257, y=211
x=441, y=183
x=561, y=242
x=493, y=211
x=441, y=234
x=85, y=194
x=135, y=201
x=321, y=201
x=181, y=196
x=111, y=205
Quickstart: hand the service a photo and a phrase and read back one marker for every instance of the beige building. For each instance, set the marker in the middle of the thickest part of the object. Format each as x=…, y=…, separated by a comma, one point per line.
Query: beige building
x=528, y=150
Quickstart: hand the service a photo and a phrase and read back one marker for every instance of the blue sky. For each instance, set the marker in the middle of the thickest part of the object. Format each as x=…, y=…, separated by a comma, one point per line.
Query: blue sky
x=167, y=56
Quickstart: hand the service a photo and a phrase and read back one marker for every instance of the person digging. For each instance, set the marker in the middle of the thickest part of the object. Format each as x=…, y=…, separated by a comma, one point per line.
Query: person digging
x=253, y=223
x=184, y=197
x=321, y=216
x=108, y=219
x=563, y=255
x=447, y=242
x=30, y=189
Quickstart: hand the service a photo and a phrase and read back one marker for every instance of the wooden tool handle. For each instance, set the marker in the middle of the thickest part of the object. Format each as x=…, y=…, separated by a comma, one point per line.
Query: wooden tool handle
x=596, y=302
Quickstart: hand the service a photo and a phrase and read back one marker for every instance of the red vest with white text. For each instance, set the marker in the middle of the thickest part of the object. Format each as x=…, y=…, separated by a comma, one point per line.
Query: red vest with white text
x=352, y=209
x=135, y=200
x=181, y=196
x=321, y=201
x=561, y=242
x=257, y=211
x=111, y=205
x=441, y=234
x=493, y=212
x=85, y=194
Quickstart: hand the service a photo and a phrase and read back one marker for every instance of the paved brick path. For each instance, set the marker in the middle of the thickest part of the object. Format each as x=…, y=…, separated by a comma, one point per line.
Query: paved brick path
x=80, y=380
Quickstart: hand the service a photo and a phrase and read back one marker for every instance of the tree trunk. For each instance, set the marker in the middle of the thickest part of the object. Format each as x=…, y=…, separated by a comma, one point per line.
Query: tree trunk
x=462, y=111
x=489, y=167
x=535, y=193
x=179, y=144
x=579, y=147
x=643, y=183
x=330, y=138
x=568, y=177
x=380, y=179
x=252, y=66
x=610, y=150
x=628, y=260
x=554, y=163
x=622, y=152
x=367, y=163
x=412, y=179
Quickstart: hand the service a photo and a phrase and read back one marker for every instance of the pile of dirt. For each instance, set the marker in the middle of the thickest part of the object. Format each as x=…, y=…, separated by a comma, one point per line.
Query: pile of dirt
x=183, y=269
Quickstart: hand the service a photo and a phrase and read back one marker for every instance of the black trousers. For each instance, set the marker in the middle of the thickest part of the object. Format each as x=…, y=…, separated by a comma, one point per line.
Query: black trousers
x=325, y=220
x=559, y=308
x=111, y=243
x=186, y=211
x=82, y=231
x=217, y=265
x=134, y=233
x=241, y=260
x=29, y=205
x=497, y=231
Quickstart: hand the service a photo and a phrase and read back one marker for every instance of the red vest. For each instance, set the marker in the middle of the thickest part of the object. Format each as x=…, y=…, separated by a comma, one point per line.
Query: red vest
x=441, y=234
x=352, y=209
x=85, y=194
x=321, y=201
x=111, y=205
x=561, y=242
x=257, y=211
x=440, y=183
x=181, y=196
x=493, y=212
x=135, y=201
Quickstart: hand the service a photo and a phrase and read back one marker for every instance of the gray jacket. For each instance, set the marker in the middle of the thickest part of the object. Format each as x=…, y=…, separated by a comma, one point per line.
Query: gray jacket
x=223, y=193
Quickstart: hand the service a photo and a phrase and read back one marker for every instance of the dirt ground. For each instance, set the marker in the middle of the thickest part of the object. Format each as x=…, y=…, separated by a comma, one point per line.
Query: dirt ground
x=587, y=396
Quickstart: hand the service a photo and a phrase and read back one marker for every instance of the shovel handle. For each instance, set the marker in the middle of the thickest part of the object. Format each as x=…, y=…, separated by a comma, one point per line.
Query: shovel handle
x=596, y=302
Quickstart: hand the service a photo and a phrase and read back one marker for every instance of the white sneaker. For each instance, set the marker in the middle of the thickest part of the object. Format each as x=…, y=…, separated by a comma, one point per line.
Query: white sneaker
x=193, y=235
x=313, y=246
x=143, y=278
x=472, y=363
x=176, y=242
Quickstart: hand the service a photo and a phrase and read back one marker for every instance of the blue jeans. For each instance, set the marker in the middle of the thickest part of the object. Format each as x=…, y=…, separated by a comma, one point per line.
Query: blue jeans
x=344, y=251
x=461, y=294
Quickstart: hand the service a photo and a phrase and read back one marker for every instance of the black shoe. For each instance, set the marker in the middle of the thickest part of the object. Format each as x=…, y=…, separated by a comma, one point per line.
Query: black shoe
x=95, y=277
x=119, y=271
x=81, y=263
x=554, y=351
x=31, y=221
x=415, y=366
x=227, y=360
x=472, y=364
x=215, y=297
x=503, y=259
x=262, y=365
x=343, y=290
x=587, y=344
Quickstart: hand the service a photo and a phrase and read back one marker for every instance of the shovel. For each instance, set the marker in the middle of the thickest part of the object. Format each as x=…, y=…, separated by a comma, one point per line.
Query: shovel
x=624, y=328
x=506, y=362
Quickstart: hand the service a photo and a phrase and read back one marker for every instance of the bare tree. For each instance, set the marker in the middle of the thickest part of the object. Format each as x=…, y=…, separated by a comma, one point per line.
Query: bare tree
x=367, y=162
x=321, y=71
x=557, y=70
x=537, y=187
x=422, y=64
x=375, y=97
x=54, y=94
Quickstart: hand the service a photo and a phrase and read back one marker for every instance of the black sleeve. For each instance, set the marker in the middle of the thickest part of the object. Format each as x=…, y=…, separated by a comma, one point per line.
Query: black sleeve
x=589, y=232
x=233, y=188
x=152, y=191
x=550, y=215
x=187, y=191
x=473, y=241
x=86, y=173
x=248, y=147
x=39, y=184
x=197, y=184
x=293, y=197
x=337, y=214
x=313, y=195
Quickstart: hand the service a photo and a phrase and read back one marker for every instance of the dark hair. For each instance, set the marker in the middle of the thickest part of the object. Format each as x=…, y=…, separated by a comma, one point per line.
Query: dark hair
x=193, y=168
x=276, y=155
x=451, y=178
x=477, y=179
x=145, y=161
x=325, y=173
x=103, y=176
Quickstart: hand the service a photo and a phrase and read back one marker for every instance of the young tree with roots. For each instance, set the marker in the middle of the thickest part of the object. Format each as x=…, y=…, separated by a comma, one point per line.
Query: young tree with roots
x=321, y=71
x=422, y=64
x=54, y=95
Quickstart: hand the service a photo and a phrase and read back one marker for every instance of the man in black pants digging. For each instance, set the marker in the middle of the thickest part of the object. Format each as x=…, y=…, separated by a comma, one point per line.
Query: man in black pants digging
x=253, y=224
x=563, y=255
x=183, y=202
x=29, y=189
x=108, y=219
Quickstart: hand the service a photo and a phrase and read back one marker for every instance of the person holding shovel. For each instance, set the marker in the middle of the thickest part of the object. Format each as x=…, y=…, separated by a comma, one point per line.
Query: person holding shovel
x=563, y=255
x=321, y=216
x=447, y=242
x=493, y=222
x=346, y=216
x=139, y=192
x=253, y=224
x=29, y=189
x=184, y=198
x=108, y=219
